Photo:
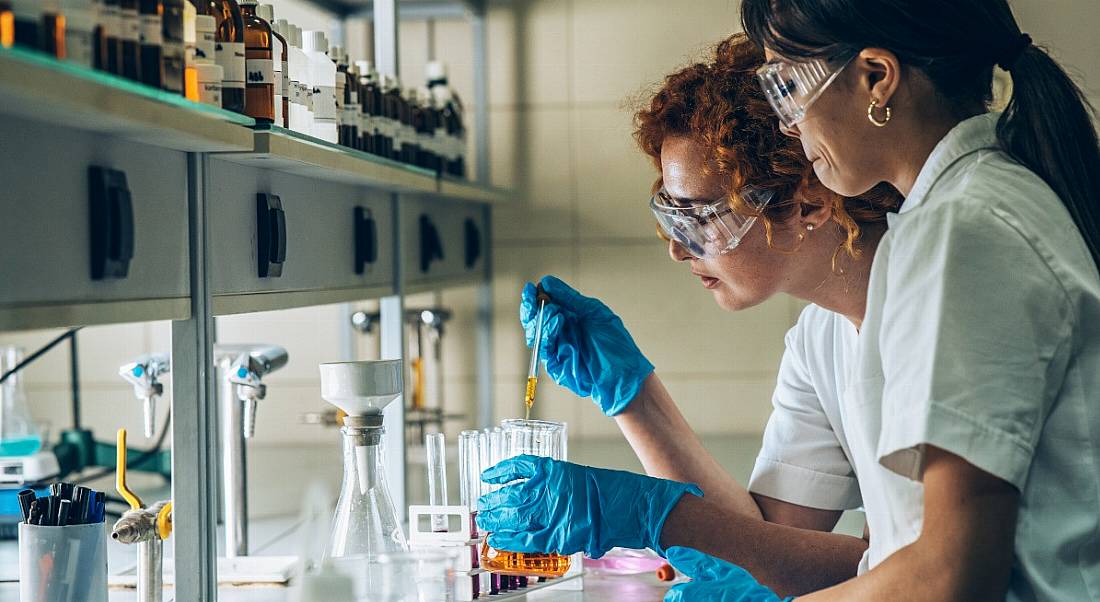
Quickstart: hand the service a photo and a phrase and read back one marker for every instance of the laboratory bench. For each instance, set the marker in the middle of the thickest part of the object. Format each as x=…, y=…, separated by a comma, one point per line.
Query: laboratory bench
x=278, y=537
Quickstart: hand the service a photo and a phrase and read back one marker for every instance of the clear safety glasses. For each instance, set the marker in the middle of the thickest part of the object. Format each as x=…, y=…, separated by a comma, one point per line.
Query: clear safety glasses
x=791, y=87
x=706, y=230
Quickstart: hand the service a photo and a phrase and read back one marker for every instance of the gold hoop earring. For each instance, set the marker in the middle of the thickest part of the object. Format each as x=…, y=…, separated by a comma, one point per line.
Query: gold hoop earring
x=871, y=114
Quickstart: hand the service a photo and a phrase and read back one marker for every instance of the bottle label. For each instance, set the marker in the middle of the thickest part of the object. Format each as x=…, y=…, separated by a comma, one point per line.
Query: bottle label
x=205, y=51
x=338, y=96
x=309, y=97
x=210, y=93
x=351, y=115
x=294, y=92
x=259, y=72
x=111, y=21
x=278, y=87
x=152, y=28
x=324, y=102
x=78, y=47
x=230, y=55
x=285, y=80
x=131, y=25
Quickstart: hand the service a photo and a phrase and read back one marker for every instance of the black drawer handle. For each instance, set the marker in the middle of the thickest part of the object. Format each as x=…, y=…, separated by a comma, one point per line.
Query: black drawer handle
x=473, y=243
x=366, y=239
x=111, y=223
x=431, y=246
x=270, y=235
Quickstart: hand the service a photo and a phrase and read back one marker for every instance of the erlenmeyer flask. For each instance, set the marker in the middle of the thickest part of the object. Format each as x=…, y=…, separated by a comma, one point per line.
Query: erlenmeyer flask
x=18, y=434
x=366, y=523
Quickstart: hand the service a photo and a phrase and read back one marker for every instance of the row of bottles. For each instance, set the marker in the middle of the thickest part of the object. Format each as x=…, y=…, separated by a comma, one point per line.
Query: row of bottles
x=235, y=54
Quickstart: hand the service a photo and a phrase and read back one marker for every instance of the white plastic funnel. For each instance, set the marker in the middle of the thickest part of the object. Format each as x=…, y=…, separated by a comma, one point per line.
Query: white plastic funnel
x=362, y=388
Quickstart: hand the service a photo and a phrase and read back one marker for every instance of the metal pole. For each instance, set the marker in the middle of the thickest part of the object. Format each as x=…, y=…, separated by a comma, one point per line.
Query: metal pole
x=392, y=334
x=481, y=92
x=194, y=434
x=385, y=37
x=150, y=582
x=234, y=479
x=484, y=337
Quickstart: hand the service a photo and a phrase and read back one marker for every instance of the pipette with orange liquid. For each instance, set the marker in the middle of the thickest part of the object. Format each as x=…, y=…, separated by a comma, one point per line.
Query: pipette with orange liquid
x=533, y=370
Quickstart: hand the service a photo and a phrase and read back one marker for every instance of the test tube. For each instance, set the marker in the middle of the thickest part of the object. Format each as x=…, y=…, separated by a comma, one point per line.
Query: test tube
x=435, y=446
x=469, y=462
x=469, y=475
x=486, y=455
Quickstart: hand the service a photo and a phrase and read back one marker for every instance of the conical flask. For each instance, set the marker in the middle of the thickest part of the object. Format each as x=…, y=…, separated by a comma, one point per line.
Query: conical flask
x=366, y=522
x=18, y=434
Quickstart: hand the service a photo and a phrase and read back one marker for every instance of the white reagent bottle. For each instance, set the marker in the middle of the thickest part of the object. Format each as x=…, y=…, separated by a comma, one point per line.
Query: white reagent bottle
x=322, y=77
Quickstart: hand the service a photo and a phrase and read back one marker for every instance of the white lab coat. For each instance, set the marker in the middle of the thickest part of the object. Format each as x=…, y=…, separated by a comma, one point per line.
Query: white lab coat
x=981, y=337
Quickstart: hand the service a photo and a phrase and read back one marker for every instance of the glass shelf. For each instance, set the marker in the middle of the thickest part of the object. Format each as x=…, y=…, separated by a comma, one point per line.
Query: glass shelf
x=39, y=87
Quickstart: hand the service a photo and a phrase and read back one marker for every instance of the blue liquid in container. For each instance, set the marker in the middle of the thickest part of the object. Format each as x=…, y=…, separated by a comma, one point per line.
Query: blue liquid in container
x=21, y=446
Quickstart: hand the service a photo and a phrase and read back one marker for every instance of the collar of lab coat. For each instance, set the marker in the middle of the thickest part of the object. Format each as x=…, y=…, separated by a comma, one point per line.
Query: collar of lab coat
x=969, y=136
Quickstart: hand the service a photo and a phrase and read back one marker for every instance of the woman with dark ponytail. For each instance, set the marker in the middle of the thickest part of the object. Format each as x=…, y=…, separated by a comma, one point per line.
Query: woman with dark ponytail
x=972, y=409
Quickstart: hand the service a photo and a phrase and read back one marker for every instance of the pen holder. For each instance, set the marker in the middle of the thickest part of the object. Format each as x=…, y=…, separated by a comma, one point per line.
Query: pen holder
x=59, y=564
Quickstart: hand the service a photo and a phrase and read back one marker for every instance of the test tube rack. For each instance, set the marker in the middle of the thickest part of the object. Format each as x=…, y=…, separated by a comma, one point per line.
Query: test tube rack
x=467, y=571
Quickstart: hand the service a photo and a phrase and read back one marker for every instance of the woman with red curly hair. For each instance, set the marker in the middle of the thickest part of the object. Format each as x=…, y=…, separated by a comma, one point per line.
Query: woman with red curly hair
x=740, y=206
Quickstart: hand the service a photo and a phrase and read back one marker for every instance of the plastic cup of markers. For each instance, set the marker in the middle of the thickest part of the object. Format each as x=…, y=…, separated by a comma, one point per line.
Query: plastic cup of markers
x=63, y=563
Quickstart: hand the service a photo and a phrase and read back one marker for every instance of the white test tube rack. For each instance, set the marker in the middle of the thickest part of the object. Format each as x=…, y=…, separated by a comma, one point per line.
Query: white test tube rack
x=467, y=570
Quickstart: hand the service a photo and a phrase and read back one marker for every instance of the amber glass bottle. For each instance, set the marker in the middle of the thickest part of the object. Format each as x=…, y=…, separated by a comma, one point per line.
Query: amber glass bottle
x=129, y=19
x=230, y=51
x=173, y=58
x=259, y=65
x=151, y=31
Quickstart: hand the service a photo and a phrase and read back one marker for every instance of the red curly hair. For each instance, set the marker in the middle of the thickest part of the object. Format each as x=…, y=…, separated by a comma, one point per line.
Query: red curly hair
x=719, y=104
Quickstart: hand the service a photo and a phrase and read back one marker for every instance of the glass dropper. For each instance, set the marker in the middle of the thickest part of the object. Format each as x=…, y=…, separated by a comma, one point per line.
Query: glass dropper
x=533, y=369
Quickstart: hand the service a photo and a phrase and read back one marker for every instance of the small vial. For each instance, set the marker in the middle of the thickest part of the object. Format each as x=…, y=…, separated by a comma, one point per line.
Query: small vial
x=209, y=83
x=393, y=109
x=334, y=53
x=7, y=25
x=259, y=65
x=80, y=28
x=111, y=18
x=190, y=73
x=209, y=75
x=370, y=107
x=27, y=16
x=130, y=34
x=411, y=150
x=352, y=112
x=151, y=42
x=173, y=46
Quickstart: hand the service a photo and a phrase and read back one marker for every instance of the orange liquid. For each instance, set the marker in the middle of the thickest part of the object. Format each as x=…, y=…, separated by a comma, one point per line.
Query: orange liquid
x=523, y=565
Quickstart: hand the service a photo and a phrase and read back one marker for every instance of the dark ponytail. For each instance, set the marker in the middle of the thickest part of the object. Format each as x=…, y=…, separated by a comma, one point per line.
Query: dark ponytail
x=1047, y=125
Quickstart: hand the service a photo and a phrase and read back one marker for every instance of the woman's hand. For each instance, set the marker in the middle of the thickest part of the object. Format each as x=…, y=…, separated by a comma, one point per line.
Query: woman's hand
x=714, y=580
x=585, y=346
x=568, y=508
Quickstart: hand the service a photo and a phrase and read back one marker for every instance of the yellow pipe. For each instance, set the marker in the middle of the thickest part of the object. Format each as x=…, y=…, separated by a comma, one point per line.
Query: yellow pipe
x=120, y=473
x=164, y=521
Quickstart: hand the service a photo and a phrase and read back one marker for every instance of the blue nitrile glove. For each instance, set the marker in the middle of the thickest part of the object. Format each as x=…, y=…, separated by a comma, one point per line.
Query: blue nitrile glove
x=568, y=508
x=585, y=346
x=714, y=580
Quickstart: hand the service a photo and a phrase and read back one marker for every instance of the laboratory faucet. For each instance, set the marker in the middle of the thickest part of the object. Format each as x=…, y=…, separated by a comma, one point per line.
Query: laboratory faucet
x=240, y=385
x=145, y=527
x=144, y=373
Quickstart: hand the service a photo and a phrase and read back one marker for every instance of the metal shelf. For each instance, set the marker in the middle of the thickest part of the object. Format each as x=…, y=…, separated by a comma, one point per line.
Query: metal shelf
x=284, y=150
x=37, y=87
x=292, y=152
x=31, y=317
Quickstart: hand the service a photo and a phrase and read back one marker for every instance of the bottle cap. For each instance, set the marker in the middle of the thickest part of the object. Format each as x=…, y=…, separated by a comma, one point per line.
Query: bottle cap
x=436, y=70
x=337, y=54
x=205, y=23
x=315, y=41
x=365, y=67
x=297, y=35
x=266, y=12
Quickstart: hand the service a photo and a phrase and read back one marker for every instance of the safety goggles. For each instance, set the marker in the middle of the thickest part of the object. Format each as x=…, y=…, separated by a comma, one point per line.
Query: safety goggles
x=791, y=87
x=706, y=230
